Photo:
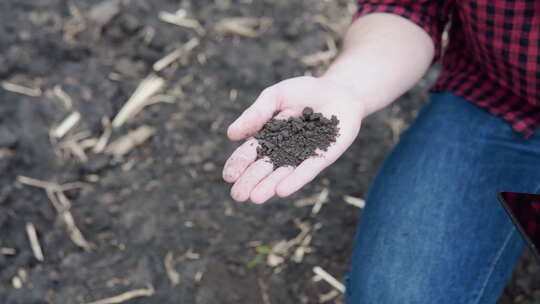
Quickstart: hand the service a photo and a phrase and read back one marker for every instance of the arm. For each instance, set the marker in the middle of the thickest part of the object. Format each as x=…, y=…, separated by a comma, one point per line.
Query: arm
x=383, y=56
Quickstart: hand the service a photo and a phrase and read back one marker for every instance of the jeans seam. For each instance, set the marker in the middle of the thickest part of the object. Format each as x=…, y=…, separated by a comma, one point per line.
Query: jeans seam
x=496, y=261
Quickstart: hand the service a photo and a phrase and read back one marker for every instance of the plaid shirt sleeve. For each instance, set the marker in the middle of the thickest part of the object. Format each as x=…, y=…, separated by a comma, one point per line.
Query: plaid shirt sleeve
x=431, y=15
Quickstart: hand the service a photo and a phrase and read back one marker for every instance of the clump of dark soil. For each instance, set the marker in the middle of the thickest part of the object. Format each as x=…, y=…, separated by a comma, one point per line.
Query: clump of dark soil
x=289, y=142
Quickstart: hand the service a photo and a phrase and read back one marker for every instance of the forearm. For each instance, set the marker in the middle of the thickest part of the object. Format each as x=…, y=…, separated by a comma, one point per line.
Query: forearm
x=383, y=56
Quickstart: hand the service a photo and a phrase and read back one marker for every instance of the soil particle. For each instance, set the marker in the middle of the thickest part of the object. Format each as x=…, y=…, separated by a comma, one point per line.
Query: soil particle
x=130, y=24
x=4, y=68
x=7, y=138
x=96, y=163
x=290, y=142
x=3, y=219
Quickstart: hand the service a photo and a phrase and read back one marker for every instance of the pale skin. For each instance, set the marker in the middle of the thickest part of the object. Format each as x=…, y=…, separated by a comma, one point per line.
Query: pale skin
x=383, y=56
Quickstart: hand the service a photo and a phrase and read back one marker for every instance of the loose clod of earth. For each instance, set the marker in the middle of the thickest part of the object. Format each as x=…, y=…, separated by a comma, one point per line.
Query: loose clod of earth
x=289, y=142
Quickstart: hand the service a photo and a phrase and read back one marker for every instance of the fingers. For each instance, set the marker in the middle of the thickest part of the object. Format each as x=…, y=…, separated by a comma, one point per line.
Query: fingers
x=312, y=166
x=302, y=175
x=256, y=115
x=267, y=187
x=241, y=190
x=241, y=158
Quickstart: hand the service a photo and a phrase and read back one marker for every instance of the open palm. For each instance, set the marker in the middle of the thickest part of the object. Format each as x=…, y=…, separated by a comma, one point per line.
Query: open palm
x=256, y=179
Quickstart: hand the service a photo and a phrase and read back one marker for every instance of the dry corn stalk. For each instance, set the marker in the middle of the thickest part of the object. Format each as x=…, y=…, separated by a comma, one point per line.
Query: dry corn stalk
x=329, y=278
x=148, y=87
x=173, y=275
x=317, y=200
x=294, y=248
x=19, y=89
x=126, y=296
x=34, y=241
x=355, y=201
x=241, y=26
x=63, y=96
x=105, y=136
x=55, y=193
x=180, y=19
x=327, y=297
x=175, y=55
x=8, y=251
x=126, y=143
x=66, y=125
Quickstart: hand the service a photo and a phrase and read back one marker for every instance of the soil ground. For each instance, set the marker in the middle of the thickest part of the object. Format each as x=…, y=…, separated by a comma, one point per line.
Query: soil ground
x=161, y=215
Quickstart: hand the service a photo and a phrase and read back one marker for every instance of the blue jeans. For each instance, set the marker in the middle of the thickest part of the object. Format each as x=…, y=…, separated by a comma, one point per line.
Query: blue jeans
x=433, y=230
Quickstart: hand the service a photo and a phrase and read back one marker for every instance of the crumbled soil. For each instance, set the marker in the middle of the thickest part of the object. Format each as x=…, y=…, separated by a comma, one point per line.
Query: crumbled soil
x=289, y=142
x=167, y=197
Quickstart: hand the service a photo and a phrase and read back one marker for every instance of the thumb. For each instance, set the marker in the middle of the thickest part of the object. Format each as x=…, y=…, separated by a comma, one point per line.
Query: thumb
x=254, y=117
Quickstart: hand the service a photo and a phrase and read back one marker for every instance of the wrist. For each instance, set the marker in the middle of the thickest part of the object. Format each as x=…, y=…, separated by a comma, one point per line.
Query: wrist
x=357, y=97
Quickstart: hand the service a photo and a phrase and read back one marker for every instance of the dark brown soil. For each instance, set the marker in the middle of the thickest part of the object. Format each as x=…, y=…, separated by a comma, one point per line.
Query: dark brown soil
x=167, y=196
x=289, y=142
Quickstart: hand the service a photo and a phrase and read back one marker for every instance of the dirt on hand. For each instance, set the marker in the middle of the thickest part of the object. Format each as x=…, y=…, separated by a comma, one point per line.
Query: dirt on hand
x=289, y=142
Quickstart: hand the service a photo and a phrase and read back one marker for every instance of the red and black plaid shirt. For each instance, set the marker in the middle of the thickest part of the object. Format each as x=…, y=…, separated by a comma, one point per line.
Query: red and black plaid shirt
x=493, y=55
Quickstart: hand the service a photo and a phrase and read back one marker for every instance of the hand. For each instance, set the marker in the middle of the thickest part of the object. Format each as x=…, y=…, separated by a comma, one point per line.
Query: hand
x=255, y=179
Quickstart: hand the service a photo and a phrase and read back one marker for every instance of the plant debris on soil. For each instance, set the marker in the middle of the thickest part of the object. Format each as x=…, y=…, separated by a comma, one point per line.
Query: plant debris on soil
x=146, y=192
x=289, y=142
